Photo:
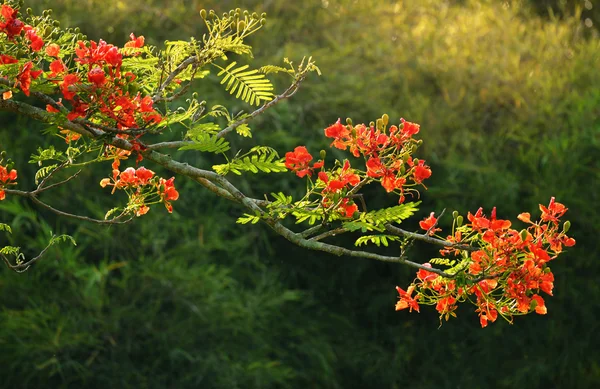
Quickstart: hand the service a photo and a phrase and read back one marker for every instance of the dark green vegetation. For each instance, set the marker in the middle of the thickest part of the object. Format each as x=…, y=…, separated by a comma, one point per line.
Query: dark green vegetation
x=509, y=105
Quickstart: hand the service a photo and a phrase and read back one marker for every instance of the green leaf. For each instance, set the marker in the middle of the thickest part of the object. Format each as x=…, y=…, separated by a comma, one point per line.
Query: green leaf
x=248, y=219
x=376, y=239
x=5, y=227
x=260, y=158
x=244, y=130
x=249, y=86
x=10, y=250
x=62, y=238
x=43, y=172
x=207, y=143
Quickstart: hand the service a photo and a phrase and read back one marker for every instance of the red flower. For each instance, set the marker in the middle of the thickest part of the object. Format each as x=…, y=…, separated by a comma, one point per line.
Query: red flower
x=168, y=193
x=144, y=175
x=6, y=176
x=348, y=209
x=36, y=42
x=425, y=275
x=421, y=172
x=68, y=81
x=97, y=77
x=553, y=212
x=11, y=26
x=540, y=306
x=57, y=67
x=25, y=76
x=52, y=50
x=446, y=305
x=99, y=53
x=340, y=134
x=375, y=168
x=298, y=161
x=428, y=223
x=135, y=42
x=406, y=301
x=486, y=314
x=7, y=59
x=409, y=129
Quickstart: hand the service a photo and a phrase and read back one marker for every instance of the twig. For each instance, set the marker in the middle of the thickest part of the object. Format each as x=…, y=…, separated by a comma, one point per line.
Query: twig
x=426, y=238
x=289, y=92
x=329, y=233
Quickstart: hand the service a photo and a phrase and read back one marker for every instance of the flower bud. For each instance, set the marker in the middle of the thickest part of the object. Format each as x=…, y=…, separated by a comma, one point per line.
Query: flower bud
x=203, y=13
x=454, y=214
x=386, y=119
x=323, y=154
x=379, y=124
x=263, y=22
x=349, y=121
x=241, y=25
x=263, y=15
x=566, y=226
x=459, y=221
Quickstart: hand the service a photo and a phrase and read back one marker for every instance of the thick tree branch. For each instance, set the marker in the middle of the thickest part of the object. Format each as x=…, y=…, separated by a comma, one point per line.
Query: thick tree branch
x=214, y=182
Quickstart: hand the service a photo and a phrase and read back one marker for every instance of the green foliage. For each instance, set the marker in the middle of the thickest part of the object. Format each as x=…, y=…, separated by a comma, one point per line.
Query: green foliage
x=206, y=142
x=508, y=106
x=259, y=158
x=247, y=85
x=62, y=238
x=44, y=171
x=376, y=220
x=5, y=227
x=376, y=239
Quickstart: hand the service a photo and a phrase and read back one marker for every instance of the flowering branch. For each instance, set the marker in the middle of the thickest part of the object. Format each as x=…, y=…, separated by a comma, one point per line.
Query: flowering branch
x=107, y=106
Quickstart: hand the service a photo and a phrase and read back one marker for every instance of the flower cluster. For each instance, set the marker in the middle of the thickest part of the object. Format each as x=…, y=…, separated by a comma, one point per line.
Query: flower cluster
x=13, y=27
x=143, y=187
x=505, y=273
x=298, y=161
x=7, y=177
x=387, y=155
x=387, y=152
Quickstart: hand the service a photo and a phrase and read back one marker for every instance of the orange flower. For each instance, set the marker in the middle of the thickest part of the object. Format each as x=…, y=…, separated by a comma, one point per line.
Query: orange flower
x=25, y=76
x=540, y=306
x=406, y=301
x=52, y=50
x=340, y=134
x=135, y=42
x=428, y=224
x=298, y=161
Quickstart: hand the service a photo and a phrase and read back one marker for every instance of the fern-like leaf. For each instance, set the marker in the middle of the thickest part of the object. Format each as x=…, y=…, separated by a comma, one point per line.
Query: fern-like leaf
x=247, y=218
x=62, y=238
x=253, y=162
x=275, y=69
x=207, y=143
x=390, y=215
x=5, y=227
x=249, y=86
x=376, y=239
x=43, y=172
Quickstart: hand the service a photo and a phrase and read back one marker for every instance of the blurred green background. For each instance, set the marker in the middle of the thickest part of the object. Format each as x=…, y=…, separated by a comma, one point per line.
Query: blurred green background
x=508, y=97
